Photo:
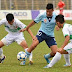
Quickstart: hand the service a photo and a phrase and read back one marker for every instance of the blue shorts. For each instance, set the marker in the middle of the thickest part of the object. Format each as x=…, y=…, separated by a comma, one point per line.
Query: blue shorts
x=49, y=40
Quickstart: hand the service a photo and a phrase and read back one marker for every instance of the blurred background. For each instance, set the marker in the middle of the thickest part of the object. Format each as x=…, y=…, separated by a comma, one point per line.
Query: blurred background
x=29, y=9
x=31, y=4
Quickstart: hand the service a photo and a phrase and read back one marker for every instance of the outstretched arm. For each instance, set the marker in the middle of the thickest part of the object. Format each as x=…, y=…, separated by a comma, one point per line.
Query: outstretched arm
x=66, y=41
x=56, y=7
x=31, y=24
x=30, y=32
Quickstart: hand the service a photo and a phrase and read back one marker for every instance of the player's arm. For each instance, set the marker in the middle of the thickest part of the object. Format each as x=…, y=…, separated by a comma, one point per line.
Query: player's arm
x=56, y=7
x=67, y=38
x=30, y=32
x=26, y=29
x=36, y=20
x=31, y=24
x=2, y=21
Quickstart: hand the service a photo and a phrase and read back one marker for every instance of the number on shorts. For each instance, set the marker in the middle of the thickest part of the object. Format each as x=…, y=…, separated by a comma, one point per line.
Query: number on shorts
x=39, y=33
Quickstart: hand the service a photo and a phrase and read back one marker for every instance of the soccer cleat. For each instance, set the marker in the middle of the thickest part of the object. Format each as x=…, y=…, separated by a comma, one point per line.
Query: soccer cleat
x=30, y=62
x=67, y=65
x=47, y=66
x=48, y=61
x=22, y=63
x=2, y=59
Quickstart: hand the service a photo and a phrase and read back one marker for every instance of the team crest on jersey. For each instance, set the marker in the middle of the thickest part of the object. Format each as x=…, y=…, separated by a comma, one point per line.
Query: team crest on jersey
x=45, y=20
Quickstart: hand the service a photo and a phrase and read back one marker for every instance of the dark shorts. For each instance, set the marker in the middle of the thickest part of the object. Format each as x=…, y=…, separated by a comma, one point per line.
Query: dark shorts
x=43, y=37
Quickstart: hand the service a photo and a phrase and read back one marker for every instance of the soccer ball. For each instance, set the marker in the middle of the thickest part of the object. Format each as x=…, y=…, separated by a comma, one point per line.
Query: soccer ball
x=21, y=56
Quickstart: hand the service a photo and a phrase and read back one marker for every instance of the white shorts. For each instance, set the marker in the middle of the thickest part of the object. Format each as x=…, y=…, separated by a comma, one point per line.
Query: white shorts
x=68, y=47
x=10, y=38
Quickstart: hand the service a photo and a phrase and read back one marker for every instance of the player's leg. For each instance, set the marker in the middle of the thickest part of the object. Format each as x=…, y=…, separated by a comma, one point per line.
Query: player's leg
x=5, y=41
x=22, y=42
x=32, y=47
x=39, y=38
x=2, y=56
x=56, y=58
x=53, y=46
x=67, y=59
x=66, y=50
x=24, y=45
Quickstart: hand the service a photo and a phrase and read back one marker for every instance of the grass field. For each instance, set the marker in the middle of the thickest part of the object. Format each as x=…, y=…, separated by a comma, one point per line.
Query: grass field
x=11, y=64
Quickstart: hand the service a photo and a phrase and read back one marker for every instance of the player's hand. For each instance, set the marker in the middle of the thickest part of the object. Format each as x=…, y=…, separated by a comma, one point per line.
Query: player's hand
x=22, y=30
x=59, y=50
x=34, y=38
x=57, y=28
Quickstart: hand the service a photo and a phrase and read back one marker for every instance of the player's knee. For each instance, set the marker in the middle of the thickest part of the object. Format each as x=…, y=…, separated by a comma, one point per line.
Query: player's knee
x=1, y=44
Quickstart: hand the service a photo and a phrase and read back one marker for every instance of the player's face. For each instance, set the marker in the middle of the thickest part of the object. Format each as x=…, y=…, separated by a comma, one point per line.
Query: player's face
x=11, y=22
x=58, y=24
x=49, y=12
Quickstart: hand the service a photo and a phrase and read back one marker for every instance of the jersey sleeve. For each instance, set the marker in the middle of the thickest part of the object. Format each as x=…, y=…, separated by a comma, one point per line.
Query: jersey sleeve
x=38, y=18
x=20, y=24
x=65, y=31
x=2, y=21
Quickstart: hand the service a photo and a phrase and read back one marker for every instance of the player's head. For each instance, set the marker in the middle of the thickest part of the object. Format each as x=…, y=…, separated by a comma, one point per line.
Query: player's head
x=60, y=20
x=49, y=9
x=10, y=18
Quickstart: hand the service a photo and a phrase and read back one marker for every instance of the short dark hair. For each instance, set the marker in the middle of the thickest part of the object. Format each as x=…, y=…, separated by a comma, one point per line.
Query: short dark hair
x=49, y=6
x=9, y=17
x=60, y=18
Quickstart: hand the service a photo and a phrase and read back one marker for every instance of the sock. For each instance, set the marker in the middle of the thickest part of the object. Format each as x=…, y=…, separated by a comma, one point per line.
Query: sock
x=30, y=57
x=48, y=56
x=55, y=59
x=28, y=54
x=67, y=59
x=1, y=52
x=26, y=49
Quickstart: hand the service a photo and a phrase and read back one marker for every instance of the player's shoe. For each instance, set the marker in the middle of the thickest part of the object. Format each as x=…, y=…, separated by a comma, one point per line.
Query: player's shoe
x=30, y=62
x=47, y=66
x=67, y=65
x=2, y=59
x=48, y=61
x=23, y=63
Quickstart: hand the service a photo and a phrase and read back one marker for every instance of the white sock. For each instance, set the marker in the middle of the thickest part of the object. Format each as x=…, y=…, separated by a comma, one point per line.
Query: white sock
x=55, y=59
x=1, y=52
x=67, y=59
x=26, y=49
x=30, y=57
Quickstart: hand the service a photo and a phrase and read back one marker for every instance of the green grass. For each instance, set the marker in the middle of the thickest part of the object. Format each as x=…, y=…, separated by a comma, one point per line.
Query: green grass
x=11, y=64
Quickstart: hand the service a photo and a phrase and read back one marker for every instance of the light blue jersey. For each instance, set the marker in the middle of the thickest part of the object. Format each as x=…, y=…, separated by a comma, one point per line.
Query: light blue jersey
x=46, y=26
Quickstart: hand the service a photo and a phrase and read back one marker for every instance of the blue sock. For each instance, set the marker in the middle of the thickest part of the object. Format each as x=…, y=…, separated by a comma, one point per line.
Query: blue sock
x=48, y=56
x=28, y=54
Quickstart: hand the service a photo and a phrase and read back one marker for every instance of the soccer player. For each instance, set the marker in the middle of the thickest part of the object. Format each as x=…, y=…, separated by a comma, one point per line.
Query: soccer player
x=66, y=48
x=13, y=26
x=61, y=6
x=46, y=31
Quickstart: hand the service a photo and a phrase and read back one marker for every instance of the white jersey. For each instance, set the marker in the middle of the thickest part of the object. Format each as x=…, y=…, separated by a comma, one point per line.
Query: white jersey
x=14, y=28
x=67, y=30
